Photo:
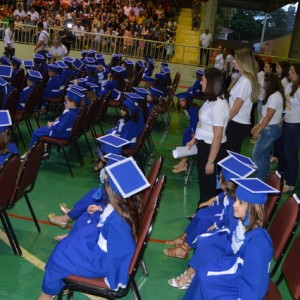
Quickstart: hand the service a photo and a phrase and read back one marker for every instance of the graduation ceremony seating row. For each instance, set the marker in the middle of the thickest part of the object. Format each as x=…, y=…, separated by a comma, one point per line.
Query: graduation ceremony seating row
x=97, y=286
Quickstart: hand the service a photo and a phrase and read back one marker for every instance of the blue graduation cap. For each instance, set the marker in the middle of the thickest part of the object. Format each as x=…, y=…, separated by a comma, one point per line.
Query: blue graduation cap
x=34, y=76
x=150, y=61
x=74, y=95
x=117, y=55
x=253, y=190
x=149, y=79
x=160, y=76
x=28, y=64
x=80, y=81
x=126, y=178
x=79, y=88
x=242, y=158
x=155, y=92
x=131, y=101
x=184, y=95
x=3, y=82
x=16, y=61
x=4, y=60
x=61, y=64
x=92, y=52
x=53, y=68
x=48, y=55
x=199, y=72
x=164, y=64
x=39, y=58
x=118, y=69
x=113, y=157
x=5, y=71
x=77, y=64
x=90, y=60
x=128, y=62
x=140, y=64
x=91, y=85
x=232, y=168
x=91, y=68
x=68, y=60
x=5, y=120
x=141, y=91
x=166, y=70
x=112, y=143
x=83, y=53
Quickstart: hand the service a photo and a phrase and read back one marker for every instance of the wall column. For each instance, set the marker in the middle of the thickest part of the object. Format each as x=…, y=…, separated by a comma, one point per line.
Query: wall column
x=295, y=41
x=209, y=11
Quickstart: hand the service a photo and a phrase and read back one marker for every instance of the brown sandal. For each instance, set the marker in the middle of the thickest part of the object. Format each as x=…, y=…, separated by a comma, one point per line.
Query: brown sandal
x=173, y=252
x=178, y=241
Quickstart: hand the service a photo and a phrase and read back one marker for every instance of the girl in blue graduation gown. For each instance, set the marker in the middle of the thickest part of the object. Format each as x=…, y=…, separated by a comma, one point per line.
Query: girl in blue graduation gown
x=240, y=270
x=62, y=126
x=191, y=111
x=126, y=128
x=6, y=147
x=196, y=88
x=102, y=247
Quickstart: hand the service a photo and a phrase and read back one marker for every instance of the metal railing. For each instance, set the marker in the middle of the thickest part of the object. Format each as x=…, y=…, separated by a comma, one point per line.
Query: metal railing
x=131, y=47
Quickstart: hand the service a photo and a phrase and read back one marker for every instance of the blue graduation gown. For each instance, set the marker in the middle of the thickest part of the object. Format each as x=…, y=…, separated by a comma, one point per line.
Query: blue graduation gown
x=127, y=130
x=92, y=251
x=195, y=89
x=54, y=87
x=12, y=148
x=91, y=197
x=61, y=128
x=192, y=114
x=245, y=275
x=24, y=96
x=108, y=87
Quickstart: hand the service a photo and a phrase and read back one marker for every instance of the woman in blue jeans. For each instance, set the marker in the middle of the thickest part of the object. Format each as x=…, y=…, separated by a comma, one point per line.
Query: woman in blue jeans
x=291, y=131
x=269, y=129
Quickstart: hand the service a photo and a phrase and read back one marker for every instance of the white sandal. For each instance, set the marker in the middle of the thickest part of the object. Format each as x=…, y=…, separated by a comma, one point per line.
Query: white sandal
x=181, y=282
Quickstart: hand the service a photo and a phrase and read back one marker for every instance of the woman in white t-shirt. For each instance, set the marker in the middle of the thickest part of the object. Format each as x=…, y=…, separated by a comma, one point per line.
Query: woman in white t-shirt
x=269, y=129
x=58, y=50
x=291, y=128
x=210, y=132
x=243, y=92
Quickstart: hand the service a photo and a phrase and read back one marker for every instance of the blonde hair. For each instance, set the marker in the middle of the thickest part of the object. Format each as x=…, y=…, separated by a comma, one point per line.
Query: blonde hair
x=247, y=68
x=258, y=216
x=4, y=140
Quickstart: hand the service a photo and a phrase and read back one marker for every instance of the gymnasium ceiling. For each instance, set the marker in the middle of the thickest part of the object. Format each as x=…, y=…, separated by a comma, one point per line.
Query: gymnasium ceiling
x=262, y=5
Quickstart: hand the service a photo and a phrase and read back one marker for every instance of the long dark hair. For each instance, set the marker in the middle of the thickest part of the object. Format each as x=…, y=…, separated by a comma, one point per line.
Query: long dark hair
x=272, y=85
x=296, y=85
x=214, y=85
x=285, y=66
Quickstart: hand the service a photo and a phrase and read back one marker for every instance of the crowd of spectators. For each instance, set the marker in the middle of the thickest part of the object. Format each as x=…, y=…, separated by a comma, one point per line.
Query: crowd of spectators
x=88, y=20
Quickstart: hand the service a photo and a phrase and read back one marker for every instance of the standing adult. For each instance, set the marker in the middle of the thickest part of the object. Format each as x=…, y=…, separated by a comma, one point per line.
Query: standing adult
x=210, y=132
x=9, y=43
x=205, y=43
x=242, y=93
x=43, y=40
x=291, y=128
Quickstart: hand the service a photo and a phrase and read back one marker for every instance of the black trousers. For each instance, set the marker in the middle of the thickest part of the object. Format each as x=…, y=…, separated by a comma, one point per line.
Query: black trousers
x=236, y=133
x=9, y=52
x=204, y=56
x=207, y=183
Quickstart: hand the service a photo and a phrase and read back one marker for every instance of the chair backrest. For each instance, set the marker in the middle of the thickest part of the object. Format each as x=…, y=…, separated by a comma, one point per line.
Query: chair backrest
x=148, y=219
x=33, y=100
x=152, y=176
x=104, y=107
x=8, y=175
x=92, y=113
x=13, y=102
x=136, y=81
x=28, y=171
x=78, y=125
x=291, y=269
x=283, y=228
x=274, y=180
x=176, y=81
x=18, y=80
x=165, y=105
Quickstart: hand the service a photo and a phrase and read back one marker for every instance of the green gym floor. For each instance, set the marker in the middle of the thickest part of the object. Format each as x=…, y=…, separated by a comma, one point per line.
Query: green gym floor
x=22, y=275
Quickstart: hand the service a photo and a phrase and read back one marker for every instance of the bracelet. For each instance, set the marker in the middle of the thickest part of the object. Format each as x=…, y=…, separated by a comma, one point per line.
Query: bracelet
x=210, y=162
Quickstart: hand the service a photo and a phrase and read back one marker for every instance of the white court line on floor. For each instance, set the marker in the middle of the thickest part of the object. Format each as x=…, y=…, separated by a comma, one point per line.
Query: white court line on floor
x=34, y=260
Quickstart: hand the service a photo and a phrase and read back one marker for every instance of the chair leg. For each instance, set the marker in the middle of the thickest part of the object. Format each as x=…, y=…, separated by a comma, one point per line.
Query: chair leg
x=135, y=290
x=88, y=144
x=67, y=160
x=11, y=230
x=8, y=233
x=144, y=267
x=78, y=153
x=21, y=136
x=32, y=213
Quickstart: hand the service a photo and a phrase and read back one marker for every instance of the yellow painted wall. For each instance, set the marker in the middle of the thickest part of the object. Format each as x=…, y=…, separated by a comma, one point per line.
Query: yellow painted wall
x=280, y=47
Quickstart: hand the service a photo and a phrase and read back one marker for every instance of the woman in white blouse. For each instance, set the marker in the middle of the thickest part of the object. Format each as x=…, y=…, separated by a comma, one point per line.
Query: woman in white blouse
x=210, y=132
x=243, y=92
x=58, y=50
